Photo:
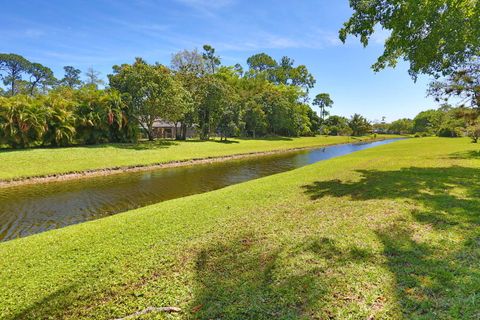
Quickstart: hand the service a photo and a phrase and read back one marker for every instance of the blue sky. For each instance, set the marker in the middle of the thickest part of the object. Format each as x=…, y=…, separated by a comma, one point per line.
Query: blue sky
x=102, y=33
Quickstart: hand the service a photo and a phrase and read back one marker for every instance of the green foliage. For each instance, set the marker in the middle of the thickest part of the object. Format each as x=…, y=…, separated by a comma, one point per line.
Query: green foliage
x=462, y=84
x=71, y=78
x=60, y=121
x=22, y=121
x=13, y=66
x=473, y=132
x=428, y=121
x=337, y=126
x=401, y=126
x=323, y=101
x=281, y=73
x=41, y=77
x=436, y=37
x=64, y=117
x=197, y=92
x=359, y=125
x=212, y=61
x=151, y=92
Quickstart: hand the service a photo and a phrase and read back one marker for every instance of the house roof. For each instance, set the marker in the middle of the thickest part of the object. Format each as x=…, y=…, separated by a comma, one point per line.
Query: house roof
x=163, y=124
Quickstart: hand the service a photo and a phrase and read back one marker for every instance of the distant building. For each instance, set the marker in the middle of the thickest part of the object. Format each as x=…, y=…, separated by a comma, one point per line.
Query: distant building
x=167, y=130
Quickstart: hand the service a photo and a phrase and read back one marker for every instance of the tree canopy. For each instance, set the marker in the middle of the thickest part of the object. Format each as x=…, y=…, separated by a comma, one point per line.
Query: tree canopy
x=435, y=36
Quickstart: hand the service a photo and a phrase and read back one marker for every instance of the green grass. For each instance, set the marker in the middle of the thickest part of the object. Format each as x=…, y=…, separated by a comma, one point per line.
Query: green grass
x=48, y=161
x=386, y=233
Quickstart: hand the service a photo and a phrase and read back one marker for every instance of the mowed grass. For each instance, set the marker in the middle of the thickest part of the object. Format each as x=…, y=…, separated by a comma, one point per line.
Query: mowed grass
x=386, y=233
x=48, y=161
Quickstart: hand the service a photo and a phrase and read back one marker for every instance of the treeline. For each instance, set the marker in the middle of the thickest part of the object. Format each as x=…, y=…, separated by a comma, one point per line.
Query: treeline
x=196, y=90
x=446, y=121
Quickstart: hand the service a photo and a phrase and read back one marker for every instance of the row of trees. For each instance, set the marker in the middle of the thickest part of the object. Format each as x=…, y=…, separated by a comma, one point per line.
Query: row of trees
x=446, y=121
x=196, y=90
x=65, y=116
x=21, y=76
x=357, y=125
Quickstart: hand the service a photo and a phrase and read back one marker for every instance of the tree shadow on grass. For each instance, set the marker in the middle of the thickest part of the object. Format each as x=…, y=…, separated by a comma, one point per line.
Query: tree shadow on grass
x=471, y=154
x=245, y=279
x=267, y=138
x=142, y=145
x=436, y=266
x=51, y=306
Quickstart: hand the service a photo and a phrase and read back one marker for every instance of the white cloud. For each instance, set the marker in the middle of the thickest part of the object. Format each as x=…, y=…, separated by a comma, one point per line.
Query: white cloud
x=316, y=39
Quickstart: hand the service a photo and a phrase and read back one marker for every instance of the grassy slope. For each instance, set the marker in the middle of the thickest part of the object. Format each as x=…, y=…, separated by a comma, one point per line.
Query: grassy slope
x=41, y=162
x=386, y=232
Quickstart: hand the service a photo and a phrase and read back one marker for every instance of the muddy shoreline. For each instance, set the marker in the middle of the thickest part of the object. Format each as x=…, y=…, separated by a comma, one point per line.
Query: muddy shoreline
x=138, y=168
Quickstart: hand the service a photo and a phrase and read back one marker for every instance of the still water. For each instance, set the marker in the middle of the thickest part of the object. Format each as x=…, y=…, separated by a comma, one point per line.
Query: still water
x=27, y=210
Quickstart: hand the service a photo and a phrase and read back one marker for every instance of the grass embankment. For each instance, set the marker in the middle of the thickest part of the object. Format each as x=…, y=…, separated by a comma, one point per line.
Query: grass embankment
x=388, y=232
x=18, y=164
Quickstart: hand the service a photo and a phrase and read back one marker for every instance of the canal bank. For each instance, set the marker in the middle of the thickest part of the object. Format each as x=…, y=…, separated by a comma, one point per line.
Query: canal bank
x=32, y=166
x=30, y=209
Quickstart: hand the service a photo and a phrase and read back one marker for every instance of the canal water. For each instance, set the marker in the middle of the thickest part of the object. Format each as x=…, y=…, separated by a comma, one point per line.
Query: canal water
x=26, y=210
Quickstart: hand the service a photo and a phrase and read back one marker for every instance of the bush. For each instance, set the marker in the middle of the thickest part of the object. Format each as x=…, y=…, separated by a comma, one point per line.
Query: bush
x=446, y=131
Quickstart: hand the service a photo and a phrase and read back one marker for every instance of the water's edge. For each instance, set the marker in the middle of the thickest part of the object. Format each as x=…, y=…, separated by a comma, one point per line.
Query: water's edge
x=35, y=208
x=75, y=175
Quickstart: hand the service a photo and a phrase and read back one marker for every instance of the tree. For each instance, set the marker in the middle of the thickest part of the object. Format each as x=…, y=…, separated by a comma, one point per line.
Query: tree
x=323, y=101
x=60, y=120
x=401, y=126
x=261, y=62
x=428, y=121
x=435, y=36
x=473, y=132
x=151, y=92
x=337, y=126
x=72, y=77
x=254, y=117
x=212, y=103
x=93, y=78
x=22, y=121
x=40, y=76
x=463, y=84
x=315, y=121
x=359, y=125
x=188, y=62
x=13, y=65
x=212, y=61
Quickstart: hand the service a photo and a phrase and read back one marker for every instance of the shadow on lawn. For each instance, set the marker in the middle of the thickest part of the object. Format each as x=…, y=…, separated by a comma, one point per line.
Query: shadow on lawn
x=51, y=306
x=143, y=145
x=472, y=154
x=246, y=279
x=436, y=268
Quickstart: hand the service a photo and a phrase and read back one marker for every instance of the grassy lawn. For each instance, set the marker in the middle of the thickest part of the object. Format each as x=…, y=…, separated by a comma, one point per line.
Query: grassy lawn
x=386, y=233
x=41, y=162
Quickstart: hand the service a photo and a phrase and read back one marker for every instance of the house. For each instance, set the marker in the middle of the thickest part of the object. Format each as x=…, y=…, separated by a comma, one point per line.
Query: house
x=167, y=130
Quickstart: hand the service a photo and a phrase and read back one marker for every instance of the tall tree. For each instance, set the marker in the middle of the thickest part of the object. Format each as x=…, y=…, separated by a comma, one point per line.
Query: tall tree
x=72, y=77
x=13, y=66
x=188, y=62
x=261, y=62
x=211, y=59
x=212, y=102
x=435, y=36
x=40, y=76
x=151, y=92
x=93, y=78
x=323, y=101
